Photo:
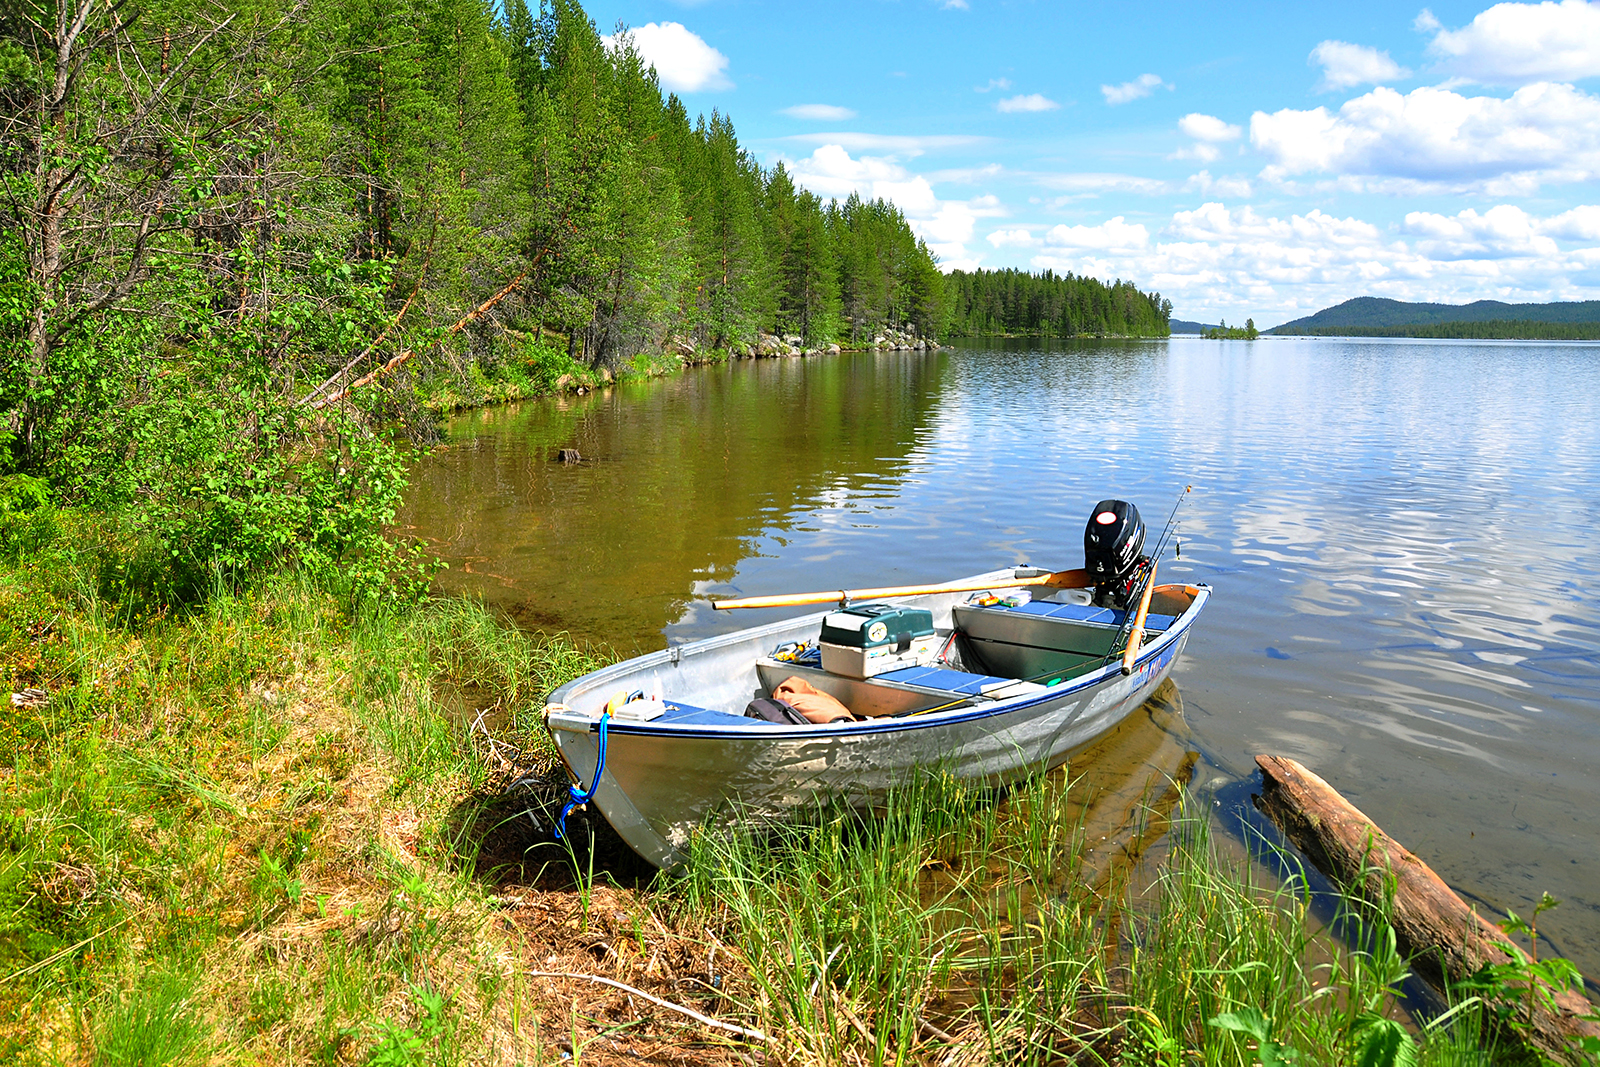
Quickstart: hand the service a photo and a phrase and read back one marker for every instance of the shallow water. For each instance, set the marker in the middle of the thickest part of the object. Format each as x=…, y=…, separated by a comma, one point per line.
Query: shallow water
x=1401, y=535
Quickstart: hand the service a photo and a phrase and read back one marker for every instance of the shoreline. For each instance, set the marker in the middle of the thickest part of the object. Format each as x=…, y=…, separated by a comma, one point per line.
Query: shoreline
x=318, y=851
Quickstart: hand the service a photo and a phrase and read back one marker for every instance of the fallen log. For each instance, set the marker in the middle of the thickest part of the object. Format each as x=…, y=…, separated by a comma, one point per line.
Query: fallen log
x=1443, y=938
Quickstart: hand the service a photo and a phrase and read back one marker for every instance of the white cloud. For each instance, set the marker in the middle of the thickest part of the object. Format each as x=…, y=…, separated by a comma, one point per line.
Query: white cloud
x=1518, y=44
x=900, y=145
x=819, y=112
x=1112, y=235
x=1030, y=102
x=1344, y=65
x=683, y=60
x=1142, y=86
x=1502, y=232
x=1208, y=128
x=1541, y=133
x=994, y=83
x=947, y=225
x=1209, y=133
x=1579, y=224
x=954, y=5
x=1241, y=262
x=1013, y=239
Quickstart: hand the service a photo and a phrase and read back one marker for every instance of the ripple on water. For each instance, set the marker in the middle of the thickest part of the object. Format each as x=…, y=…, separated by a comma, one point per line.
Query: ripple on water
x=1408, y=526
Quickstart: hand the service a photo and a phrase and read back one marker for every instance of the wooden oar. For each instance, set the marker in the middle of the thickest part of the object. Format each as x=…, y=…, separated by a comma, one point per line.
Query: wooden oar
x=1077, y=579
x=1136, y=638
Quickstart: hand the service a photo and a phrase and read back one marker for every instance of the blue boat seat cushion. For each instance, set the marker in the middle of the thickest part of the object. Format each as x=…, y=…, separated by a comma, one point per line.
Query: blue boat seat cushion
x=1082, y=613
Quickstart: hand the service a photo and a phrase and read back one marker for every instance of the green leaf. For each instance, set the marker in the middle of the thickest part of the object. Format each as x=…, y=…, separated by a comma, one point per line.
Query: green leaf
x=1249, y=1021
x=1385, y=1043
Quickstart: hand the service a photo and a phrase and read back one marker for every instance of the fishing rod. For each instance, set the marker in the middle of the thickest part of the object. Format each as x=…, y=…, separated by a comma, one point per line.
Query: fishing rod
x=1125, y=633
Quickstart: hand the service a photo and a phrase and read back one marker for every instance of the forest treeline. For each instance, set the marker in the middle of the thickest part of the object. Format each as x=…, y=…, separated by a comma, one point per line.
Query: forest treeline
x=985, y=302
x=236, y=238
x=1492, y=329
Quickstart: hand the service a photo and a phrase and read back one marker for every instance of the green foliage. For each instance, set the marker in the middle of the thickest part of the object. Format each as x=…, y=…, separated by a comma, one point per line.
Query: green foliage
x=1513, y=989
x=1490, y=329
x=1252, y=1023
x=1223, y=332
x=1381, y=314
x=156, y=1025
x=1050, y=305
x=403, y=1046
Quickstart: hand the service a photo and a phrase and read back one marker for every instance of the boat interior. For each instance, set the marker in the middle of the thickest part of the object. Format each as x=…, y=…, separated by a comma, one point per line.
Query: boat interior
x=988, y=652
x=991, y=652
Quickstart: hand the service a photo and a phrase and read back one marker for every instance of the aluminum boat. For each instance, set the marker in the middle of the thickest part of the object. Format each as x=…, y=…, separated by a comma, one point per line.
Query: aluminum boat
x=1020, y=684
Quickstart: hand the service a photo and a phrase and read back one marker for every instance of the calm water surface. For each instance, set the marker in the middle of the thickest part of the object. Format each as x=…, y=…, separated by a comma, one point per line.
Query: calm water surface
x=1402, y=536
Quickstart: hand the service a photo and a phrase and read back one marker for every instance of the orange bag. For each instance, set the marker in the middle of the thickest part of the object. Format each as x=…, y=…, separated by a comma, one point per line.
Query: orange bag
x=810, y=701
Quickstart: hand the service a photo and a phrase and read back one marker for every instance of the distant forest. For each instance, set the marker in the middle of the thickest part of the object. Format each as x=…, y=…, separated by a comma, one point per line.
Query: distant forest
x=1493, y=329
x=986, y=302
x=1366, y=312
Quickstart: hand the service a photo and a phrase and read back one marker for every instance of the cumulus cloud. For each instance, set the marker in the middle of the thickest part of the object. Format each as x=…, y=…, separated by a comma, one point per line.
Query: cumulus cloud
x=1541, y=133
x=1030, y=102
x=1580, y=224
x=683, y=60
x=1518, y=44
x=1208, y=128
x=1239, y=261
x=1502, y=232
x=994, y=83
x=1013, y=239
x=819, y=112
x=1345, y=65
x=1112, y=235
x=1209, y=134
x=1142, y=86
x=947, y=225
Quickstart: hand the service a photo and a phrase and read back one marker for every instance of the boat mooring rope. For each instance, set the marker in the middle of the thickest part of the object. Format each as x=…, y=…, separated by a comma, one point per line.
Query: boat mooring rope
x=577, y=798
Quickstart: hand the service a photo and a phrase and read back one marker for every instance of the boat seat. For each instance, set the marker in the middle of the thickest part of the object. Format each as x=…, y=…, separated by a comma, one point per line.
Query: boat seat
x=902, y=692
x=1086, y=613
x=1043, y=637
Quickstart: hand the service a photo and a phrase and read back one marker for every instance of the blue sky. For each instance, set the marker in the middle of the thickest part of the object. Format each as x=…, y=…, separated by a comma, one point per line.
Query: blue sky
x=1247, y=159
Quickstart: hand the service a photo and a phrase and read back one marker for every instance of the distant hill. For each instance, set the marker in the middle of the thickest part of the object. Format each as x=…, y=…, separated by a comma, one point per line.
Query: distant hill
x=1183, y=326
x=1371, y=313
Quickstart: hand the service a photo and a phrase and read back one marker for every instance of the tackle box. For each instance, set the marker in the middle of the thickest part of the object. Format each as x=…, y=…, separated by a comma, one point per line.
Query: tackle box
x=870, y=639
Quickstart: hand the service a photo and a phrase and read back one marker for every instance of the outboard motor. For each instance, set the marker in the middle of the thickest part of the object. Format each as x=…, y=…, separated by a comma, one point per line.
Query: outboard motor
x=1112, y=545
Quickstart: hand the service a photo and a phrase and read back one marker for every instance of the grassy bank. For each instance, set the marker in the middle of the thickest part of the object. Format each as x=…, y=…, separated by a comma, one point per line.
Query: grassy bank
x=272, y=829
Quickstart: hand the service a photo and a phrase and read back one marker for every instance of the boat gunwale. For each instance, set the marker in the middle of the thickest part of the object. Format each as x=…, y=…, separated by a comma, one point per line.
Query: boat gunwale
x=877, y=725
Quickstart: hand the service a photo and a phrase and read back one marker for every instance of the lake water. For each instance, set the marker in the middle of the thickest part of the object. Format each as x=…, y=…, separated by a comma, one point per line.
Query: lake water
x=1402, y=537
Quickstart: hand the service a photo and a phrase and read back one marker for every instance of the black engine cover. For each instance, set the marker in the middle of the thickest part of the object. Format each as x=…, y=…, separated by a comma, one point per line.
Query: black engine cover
x=1112, y=542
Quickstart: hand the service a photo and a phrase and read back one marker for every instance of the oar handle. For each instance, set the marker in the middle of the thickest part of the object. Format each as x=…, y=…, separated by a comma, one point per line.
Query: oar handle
x=1136, y=638
x=1077, y=579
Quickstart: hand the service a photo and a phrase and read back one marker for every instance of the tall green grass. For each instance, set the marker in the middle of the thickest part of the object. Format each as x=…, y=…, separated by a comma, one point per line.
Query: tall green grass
x=955, y=923
x=227, y=837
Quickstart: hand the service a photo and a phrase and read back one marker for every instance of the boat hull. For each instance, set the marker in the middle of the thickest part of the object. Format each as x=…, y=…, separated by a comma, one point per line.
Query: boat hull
x=663, y=780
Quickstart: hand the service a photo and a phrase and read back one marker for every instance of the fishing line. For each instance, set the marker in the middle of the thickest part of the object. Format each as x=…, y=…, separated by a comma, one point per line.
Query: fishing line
x=1119, y=646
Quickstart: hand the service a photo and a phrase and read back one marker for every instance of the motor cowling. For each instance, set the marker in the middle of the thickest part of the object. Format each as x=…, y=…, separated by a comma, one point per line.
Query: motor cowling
x=1113, y=547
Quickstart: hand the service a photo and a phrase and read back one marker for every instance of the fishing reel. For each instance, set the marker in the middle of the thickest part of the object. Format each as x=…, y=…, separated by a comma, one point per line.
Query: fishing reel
x=1113, y=553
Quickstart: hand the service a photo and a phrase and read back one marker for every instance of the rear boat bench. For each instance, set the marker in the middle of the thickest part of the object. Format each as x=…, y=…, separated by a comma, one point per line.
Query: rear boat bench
x=1042, y=638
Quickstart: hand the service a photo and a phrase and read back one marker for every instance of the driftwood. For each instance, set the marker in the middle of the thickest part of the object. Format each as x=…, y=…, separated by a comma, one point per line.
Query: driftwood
x=1443, y=938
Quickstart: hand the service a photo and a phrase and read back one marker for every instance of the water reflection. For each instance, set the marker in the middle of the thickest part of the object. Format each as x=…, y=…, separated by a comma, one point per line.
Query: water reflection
x=1401, y=535
x=681, y=482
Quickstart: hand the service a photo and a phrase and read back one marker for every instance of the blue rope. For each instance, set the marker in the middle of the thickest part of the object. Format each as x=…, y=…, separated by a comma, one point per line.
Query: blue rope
x=579, y=797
